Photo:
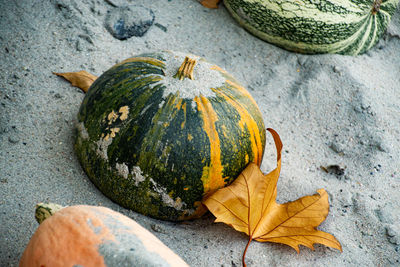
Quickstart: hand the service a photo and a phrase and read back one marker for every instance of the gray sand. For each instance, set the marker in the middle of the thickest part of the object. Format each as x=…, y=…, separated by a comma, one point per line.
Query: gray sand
x=328, y=109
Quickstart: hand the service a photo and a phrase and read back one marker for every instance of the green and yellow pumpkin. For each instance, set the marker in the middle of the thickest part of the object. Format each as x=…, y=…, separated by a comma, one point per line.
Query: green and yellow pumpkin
x=159, y=131
x=93, y=236
x=348, y=27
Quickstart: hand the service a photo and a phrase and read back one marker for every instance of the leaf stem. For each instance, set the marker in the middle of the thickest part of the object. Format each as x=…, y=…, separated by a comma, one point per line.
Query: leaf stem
x=245, y=250
x=210, y=3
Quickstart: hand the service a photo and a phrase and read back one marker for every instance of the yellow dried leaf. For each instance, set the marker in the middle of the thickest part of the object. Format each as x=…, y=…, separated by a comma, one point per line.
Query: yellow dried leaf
x=249, y=205
x=81, y=79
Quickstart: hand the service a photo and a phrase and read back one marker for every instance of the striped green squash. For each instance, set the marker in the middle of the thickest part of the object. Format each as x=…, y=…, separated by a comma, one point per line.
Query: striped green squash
x=349, y=27
x=155, y=141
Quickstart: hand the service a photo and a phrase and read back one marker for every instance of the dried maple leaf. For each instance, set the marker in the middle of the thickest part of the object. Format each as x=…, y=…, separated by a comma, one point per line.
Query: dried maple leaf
x=249, y=206
x=210, y=3
x=81, y=79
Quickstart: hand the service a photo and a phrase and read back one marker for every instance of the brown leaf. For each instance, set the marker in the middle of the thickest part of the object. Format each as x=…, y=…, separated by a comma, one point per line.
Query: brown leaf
x=210, y=3
x=249, y=205
x=81, y=79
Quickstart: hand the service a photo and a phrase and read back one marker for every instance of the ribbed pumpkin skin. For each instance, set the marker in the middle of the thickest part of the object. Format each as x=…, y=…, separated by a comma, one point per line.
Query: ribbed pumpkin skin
x=349, y=27
x=169, y=151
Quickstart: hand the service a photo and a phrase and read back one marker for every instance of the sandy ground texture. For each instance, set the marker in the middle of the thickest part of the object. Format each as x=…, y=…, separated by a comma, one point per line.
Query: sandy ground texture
x=339, y=112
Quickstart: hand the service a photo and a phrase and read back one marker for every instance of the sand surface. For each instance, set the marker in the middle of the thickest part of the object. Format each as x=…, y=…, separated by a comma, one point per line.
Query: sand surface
x=328, y=109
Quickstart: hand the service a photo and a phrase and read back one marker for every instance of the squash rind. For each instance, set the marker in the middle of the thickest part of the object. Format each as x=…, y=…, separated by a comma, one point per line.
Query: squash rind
x=95, y=236
x=160, y=158
x=348, y=27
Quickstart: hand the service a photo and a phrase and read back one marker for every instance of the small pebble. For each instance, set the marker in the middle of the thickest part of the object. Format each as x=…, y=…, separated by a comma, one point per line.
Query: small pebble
x=390, y=231
x=57, y=95
x=394, y=240
x=334, y=169
x=125, y=22
x=337, y=69
x=4, y=129
x=79, y=46
x=338, y=148
x=158, y=228
x=393, y=234
x=13, y=139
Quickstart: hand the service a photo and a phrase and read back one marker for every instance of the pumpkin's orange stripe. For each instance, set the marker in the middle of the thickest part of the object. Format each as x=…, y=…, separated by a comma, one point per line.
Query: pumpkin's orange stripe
x=184, y=115
x=215, y=67
x=148, y=60
x=212, y=175
x=247, y=119
x=236, y=85
x=243, y=91
x=178, y=104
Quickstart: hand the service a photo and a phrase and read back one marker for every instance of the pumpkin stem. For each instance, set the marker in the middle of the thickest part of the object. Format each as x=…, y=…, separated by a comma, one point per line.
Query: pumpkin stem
x=44, y=211
x=376, y=6
x=186, y=69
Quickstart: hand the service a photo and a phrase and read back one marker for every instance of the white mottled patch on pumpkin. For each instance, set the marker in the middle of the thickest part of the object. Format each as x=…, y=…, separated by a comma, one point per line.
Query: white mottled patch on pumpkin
x=166, y=199
x=193, y=104
x=82, y=130
x=161, y=104
x=204, y=77
x=122, y=169
x=137, y=175
x=102, y=147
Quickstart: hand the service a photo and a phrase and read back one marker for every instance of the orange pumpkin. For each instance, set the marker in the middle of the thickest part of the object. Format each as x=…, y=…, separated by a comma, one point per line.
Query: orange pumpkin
x=93, y=236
